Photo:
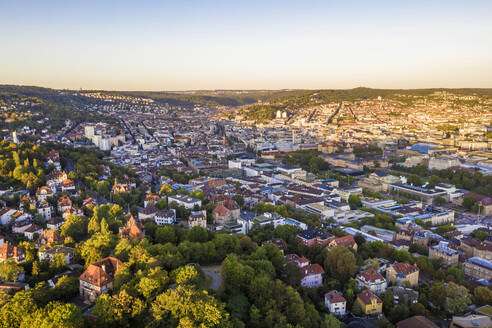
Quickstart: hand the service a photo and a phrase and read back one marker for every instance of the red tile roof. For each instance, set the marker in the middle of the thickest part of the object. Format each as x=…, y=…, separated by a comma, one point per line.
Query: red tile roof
x=370, y=275
x=367, y=296
x=404, y=268
x=334, y=296
x=312, y=269
x=101, y=272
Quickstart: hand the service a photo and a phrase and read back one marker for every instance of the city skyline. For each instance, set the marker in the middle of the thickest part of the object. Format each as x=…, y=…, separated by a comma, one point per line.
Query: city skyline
x=218, y=45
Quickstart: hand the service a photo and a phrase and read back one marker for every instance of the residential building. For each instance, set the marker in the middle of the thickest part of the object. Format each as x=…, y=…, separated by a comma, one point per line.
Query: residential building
x=370, y=302
x=402, y=272
x=43, y=193
x=8, y=251
x=45, y=210
x=471, y=321
x=48, y=237
x=32, y=231
x=64, y=203
x=147, y=213
x=344, y=241
x=278, y=242
x=403, y=295
x=372, y=280
x=197, y=219
x=442, y=250
x=221, y=214
x=47, y=253
x=475, y=248
x=98, y=278
x=300, y=262
x=416, y=321
x=484, y=203
x=312, y=275
x=165, y=217
x=313, y=236
x=187, y=201
x=54, y=223
x=478, y=268
x=335, y=302
x=151, y=200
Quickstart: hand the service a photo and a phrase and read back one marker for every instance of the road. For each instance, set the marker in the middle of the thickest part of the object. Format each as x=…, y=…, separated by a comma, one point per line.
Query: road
x=213, y=272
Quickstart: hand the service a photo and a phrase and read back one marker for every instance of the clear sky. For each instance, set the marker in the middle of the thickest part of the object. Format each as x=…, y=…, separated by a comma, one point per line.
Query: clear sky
x=236, y=44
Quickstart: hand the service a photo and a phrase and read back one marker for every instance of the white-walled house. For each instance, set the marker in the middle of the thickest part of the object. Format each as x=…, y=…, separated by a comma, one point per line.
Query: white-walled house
x=335, y=302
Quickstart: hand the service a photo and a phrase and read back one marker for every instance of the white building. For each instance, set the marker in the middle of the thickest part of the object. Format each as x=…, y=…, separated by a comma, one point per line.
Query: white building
x=165, y=217
x=187, y=201
x=335, y=302
x=89, y=131
x=443, y=162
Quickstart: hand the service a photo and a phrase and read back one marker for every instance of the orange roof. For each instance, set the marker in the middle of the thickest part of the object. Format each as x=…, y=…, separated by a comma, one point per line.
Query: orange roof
x=334, y=296
x=404, y=268
x=367, y=296
x=370, y=275
x=152, y=197
x=67, y=183
x=221, y=210
x=312, y=269
x=64, y=201
x=8, y=251
x=101, y=272
x=133, y=229
x=346, y=241
x=44, y=189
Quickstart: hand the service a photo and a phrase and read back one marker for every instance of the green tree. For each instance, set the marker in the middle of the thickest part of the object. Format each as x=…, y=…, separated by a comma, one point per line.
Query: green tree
x=94, y=225
x=161, y=204
x=147, y=287
x=357, y=309
x=74, y=226
x=437, y=295
x=458, y=298
x=185, y=275
x=55, y=315
x=354, y=201
x=414, y=179
x=456, y=273
x=121, y=310
x=480, y=234
x=388, y=301
x=29, y=250
x=440, y=201
x=331, y=321
x=165, y=234
x=418, y=309
x=198, y=234
x=468, y=202
x=10, y=270
x=482, y=295
x=18, y=308
x=399, y=312
x=189, y=308
x=341, y=263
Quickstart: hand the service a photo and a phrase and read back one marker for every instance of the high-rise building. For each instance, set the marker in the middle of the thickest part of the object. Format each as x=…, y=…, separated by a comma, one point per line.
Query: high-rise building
x=89, y=131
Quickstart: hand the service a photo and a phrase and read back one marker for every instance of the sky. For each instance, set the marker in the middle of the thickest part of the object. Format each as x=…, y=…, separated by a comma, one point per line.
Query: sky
x=236, y=44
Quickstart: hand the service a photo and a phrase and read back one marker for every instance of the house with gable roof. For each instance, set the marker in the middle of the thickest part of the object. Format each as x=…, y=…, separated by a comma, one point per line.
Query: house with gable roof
x=98, y=278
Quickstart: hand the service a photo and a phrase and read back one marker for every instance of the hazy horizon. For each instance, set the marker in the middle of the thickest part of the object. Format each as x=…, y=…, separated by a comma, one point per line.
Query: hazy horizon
x=220, y=45
x=234, y=90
